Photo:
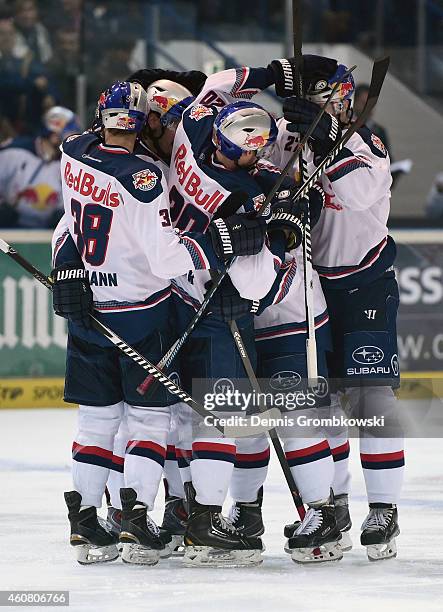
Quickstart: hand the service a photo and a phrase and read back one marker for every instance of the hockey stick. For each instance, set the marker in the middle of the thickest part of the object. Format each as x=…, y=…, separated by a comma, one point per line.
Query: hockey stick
x=308, y=282
x=175, y=348
x=131, y=352
x=379, y=71
x=271, y=432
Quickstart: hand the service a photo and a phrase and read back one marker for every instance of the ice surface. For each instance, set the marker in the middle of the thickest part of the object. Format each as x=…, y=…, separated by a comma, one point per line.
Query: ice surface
x=34, y=472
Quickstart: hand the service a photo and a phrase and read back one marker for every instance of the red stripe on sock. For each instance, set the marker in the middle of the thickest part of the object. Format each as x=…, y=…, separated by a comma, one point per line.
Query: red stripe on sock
x=310, y=450
x=375, y=457
x=91, y=450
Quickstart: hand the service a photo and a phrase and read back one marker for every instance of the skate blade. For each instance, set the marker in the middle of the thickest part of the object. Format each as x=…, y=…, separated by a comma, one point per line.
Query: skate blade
x=87, y=554
x=136, y=554
x=345, y=542
x=205, y=556
x=176, y=546
x=380, y=552
x=331, y=551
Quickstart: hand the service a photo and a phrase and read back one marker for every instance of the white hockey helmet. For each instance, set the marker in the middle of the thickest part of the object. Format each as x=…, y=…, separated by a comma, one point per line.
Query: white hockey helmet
x=164, y=95
x=243, y=126
x=61, y=121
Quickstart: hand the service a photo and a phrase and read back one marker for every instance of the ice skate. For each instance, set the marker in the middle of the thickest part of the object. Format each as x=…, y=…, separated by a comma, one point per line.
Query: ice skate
x=317, y=538
x=247, y=516
x=212, y=541
x=344, y=523
x=379, y=530
x=343, y=518
x=91, y=537
x=174, y=523
x=139, y=534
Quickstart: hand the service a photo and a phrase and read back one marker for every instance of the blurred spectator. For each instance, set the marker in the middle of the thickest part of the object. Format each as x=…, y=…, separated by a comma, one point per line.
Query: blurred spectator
x=66, y=14
x=34, y=34
x=434, y=202
x=24, y=86
x=65, y=65
x=360, y=98
x=30, y=182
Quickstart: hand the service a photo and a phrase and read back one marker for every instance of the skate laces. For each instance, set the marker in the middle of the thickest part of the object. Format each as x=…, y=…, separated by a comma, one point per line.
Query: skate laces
x=225, y=523
x=378, y=517
x=311, y=522
x=234, y=513
x=152, y=526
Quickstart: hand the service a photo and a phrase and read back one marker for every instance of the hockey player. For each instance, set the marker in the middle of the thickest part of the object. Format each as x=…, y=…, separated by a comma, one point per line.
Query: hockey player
x=167, y=100
x=118, y=213
x=354, y=255
x=214, y=154
x=30, y=188
x=280, y=342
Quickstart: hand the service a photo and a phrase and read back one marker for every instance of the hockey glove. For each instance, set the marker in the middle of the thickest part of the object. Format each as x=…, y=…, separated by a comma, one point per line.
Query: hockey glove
x=286, y=215
x=231, y=204
x=237, y=235
x=290, y=216
x=316, y=68
x=301, y=114
x=72, y=295
x=227, y=304
x=285, y=74
x=313, y=69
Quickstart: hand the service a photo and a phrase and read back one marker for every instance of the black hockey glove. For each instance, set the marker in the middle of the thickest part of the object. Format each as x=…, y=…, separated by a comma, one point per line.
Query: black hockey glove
x=71, y=294
x=231, y=204
x=285, y=74
x=290, y=216
x=317, y=68
x=313, y=69
x=301, y=114
x=286, y=215
x=227, y=304
x=237, y=235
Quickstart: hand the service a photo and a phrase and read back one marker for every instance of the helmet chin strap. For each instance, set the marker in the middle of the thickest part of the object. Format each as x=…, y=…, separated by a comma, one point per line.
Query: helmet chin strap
x=156, y=141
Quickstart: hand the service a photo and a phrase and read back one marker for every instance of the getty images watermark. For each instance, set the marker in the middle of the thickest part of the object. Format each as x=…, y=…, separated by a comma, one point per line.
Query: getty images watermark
x=293, y=405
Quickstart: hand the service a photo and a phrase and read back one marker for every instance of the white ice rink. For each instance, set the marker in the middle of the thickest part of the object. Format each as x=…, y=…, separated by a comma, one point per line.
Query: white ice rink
x=34, y=472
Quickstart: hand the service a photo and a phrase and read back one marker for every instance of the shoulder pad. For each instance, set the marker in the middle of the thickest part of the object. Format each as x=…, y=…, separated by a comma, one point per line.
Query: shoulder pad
x=141, y=179
x=76, y=144
x=374, y=143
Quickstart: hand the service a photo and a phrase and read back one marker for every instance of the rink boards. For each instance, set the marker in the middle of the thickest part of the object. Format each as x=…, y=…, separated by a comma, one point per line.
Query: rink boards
x=33, y=339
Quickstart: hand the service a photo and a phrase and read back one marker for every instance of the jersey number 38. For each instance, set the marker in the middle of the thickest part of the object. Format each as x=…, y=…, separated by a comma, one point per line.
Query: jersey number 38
x=92, y=224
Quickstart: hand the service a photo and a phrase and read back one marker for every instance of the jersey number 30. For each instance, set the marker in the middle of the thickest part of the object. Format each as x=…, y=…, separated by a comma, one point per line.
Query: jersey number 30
x=92, y=224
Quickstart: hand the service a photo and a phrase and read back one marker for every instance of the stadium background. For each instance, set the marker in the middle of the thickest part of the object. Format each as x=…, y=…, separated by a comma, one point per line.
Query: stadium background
x=82, y=46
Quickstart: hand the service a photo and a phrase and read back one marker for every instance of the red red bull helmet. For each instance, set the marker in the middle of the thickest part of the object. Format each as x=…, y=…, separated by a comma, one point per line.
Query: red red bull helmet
x=243, y=126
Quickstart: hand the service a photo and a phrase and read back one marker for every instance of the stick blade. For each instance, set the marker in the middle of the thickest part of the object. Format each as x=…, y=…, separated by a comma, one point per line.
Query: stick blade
x=379, y=70
x=4, y=246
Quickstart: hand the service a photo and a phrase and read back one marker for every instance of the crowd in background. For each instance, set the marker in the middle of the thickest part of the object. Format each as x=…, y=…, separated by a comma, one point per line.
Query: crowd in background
x=46, y=44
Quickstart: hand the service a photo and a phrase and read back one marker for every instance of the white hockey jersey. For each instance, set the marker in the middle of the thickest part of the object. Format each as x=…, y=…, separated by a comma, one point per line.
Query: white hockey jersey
x=351, y=237
x=199, y=184
x=117, y=212
x=29, y=183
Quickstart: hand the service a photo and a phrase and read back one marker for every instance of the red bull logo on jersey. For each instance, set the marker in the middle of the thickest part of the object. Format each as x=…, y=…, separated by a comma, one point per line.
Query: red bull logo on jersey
x=84, y=184
x=145, y=180
x=257, y=142
x=200, y=111
x=378, y=144
x=192, y=183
